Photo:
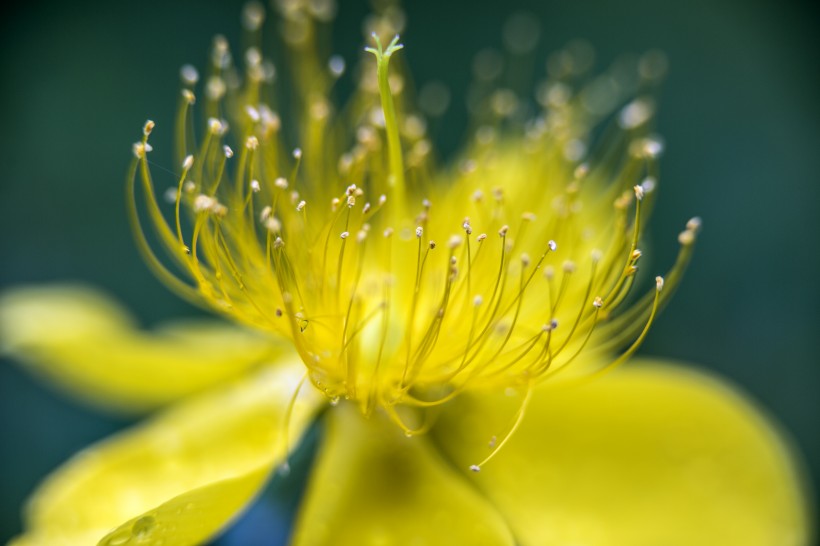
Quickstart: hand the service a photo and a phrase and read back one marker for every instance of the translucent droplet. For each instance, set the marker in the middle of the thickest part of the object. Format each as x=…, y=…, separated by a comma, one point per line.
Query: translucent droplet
x=143, y=527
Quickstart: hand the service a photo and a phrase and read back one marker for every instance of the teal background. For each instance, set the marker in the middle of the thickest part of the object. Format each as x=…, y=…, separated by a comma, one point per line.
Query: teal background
x=739, y=114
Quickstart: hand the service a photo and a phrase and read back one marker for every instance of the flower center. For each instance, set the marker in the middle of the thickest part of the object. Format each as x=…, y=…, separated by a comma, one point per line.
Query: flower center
x=399, y=282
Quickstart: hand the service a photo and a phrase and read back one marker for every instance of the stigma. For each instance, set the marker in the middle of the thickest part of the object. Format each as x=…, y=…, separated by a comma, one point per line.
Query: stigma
x=399, y=279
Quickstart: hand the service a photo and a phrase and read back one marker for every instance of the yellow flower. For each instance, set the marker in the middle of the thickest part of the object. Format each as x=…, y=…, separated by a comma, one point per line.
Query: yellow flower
x=439, y=321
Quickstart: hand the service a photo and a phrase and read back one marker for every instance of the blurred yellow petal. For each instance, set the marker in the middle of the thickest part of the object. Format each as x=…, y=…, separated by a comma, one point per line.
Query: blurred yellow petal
x=373, y=486
x=182, y=476
x=80, y=340
x=647, y=455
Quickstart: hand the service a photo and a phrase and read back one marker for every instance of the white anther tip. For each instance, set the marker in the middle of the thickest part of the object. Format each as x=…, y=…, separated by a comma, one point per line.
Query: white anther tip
x=419, y=231
x=475, y=468
x=188, y=162
x=659, y=283
x=148, y=127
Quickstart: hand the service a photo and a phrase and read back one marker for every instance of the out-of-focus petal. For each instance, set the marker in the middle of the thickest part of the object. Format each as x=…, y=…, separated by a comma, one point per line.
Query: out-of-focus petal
x=85, y=343
x=182, y=476
x=651, y=454
x=373, y=486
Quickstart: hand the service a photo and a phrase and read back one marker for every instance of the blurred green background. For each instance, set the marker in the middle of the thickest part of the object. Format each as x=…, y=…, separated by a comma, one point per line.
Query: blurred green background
x=739, y=113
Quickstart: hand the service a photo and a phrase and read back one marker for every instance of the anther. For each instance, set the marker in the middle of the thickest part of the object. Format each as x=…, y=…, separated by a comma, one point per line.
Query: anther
x=659, y=283
x=228, y=151
x=553, y=246
x=351, y=201
x=148, y=127
x=636, y=254
x=388, y=232
x=568, y=266
x=581, y=171
x=301, y=206
x=278, y=243
x=639, y=192
x=454, y=242
x=686, y=237
x=503, y=231
x=214, y=126
x=481, y=237
x=215, y=89
x=253, y=15
x=598, y=302
x=189, y=74
x=432, y=245
x=139, y=150
x=336, y=65
x=649, y=184
x=366, y=208
x=265, y=214
x=255, y=187
x=528, y=216
x=281, y=183
x=297, y=153
x=636, y=113
x=345, y=234
x=419, y=232
x=253, y=113
x=188, y=96
x=694, y=224
x=188, y=162
x=273, y=225
x=252, y=143
x=525, y=259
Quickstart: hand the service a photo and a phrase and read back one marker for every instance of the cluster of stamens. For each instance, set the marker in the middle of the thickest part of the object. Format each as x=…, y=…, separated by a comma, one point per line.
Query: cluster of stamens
x=336, y=239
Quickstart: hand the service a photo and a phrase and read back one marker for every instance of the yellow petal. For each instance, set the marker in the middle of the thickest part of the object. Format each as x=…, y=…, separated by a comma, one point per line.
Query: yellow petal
x=85, y=343
x=179, y=478
x=373, y=486
x=647, y=455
